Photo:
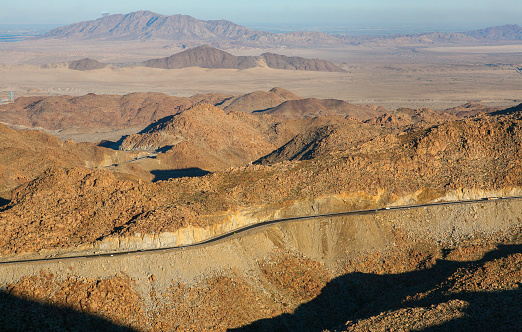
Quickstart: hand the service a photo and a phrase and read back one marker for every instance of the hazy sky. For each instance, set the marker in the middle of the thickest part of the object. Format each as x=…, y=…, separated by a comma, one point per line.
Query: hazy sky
x=351, y=13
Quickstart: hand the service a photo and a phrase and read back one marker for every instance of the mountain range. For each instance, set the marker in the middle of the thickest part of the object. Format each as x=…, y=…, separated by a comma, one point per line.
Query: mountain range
x=146, y=25
x=187, y=30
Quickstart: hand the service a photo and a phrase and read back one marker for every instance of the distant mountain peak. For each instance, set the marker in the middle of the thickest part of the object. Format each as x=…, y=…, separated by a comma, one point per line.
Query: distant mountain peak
x=503, y=32
x=183, y=29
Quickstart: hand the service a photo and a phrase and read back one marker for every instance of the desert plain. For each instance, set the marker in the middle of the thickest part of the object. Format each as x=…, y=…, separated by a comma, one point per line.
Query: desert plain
x=393, y=77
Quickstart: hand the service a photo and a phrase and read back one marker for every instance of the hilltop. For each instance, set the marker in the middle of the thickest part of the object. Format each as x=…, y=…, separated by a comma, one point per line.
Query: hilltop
x=104, y=111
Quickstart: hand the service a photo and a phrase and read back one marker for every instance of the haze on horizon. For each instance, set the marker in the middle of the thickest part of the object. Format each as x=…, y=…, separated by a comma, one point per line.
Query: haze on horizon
x=410, y=15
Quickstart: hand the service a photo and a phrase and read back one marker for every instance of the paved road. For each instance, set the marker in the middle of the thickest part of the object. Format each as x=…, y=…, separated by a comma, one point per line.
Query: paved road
x=241, y=230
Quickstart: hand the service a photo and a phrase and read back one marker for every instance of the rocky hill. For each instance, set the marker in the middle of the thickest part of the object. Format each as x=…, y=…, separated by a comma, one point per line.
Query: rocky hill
x=97, y=111
x=86, y=64
x=209, y=57
x=258, y=100
x=206, y=136
x=26, y=154
x=311, y=107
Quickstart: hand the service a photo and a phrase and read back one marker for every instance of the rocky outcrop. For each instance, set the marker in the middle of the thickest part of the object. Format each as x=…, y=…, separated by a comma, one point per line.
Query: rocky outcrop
x=228, y=139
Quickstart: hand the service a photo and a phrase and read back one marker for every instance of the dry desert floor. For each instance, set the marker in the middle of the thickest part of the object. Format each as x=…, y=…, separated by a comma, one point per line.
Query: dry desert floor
x=415, y=77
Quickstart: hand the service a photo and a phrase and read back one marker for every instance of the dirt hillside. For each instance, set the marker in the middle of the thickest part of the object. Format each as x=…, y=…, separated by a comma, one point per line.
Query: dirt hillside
x=25, y=154
x=104, y=111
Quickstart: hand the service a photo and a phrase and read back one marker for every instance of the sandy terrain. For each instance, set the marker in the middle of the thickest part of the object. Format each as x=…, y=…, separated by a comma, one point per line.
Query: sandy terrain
x=392, y=77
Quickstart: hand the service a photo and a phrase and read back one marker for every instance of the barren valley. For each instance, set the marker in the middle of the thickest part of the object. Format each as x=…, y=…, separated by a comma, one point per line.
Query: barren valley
x=388, y=77
x=297, y=182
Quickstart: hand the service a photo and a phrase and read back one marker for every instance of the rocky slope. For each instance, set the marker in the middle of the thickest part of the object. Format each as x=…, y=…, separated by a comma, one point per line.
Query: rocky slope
x=444, y=268
x=222, y=140
x=26, y=154
x=286, y=105
x=415, y=166
x=213, y=58
x=207, y=138
x=312, y=107
x=103, y=111
x=258, y=100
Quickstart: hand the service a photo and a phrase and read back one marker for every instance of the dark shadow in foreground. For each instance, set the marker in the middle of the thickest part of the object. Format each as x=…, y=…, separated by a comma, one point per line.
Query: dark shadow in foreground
x=358, y=296
x=23, y=315
x=193, y=172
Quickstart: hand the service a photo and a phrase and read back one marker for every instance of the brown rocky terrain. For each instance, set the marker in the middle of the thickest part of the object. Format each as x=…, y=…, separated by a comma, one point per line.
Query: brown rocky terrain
x=213, y=58
x=223, y=140
x=104, y=111
x=469, y=110
x=448, y=267
x=282, y=103
x=420, y=117
x=479, y=153
x=366, y=279
x=258, y=100
x=312, y=107
x=25, y=154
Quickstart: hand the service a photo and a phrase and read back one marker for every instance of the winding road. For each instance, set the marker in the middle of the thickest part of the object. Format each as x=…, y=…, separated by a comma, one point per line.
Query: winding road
x=241, y=230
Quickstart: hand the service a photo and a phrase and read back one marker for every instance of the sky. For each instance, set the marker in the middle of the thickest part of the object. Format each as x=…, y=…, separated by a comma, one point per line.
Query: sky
x=423, y=14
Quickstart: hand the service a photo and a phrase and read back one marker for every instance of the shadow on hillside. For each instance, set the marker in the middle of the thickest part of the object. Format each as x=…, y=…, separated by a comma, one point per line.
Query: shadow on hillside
x=3, y=203
x=160, y=175
x=23, y=315
x=158, y=123
x=358, y=296
x=111, y=144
